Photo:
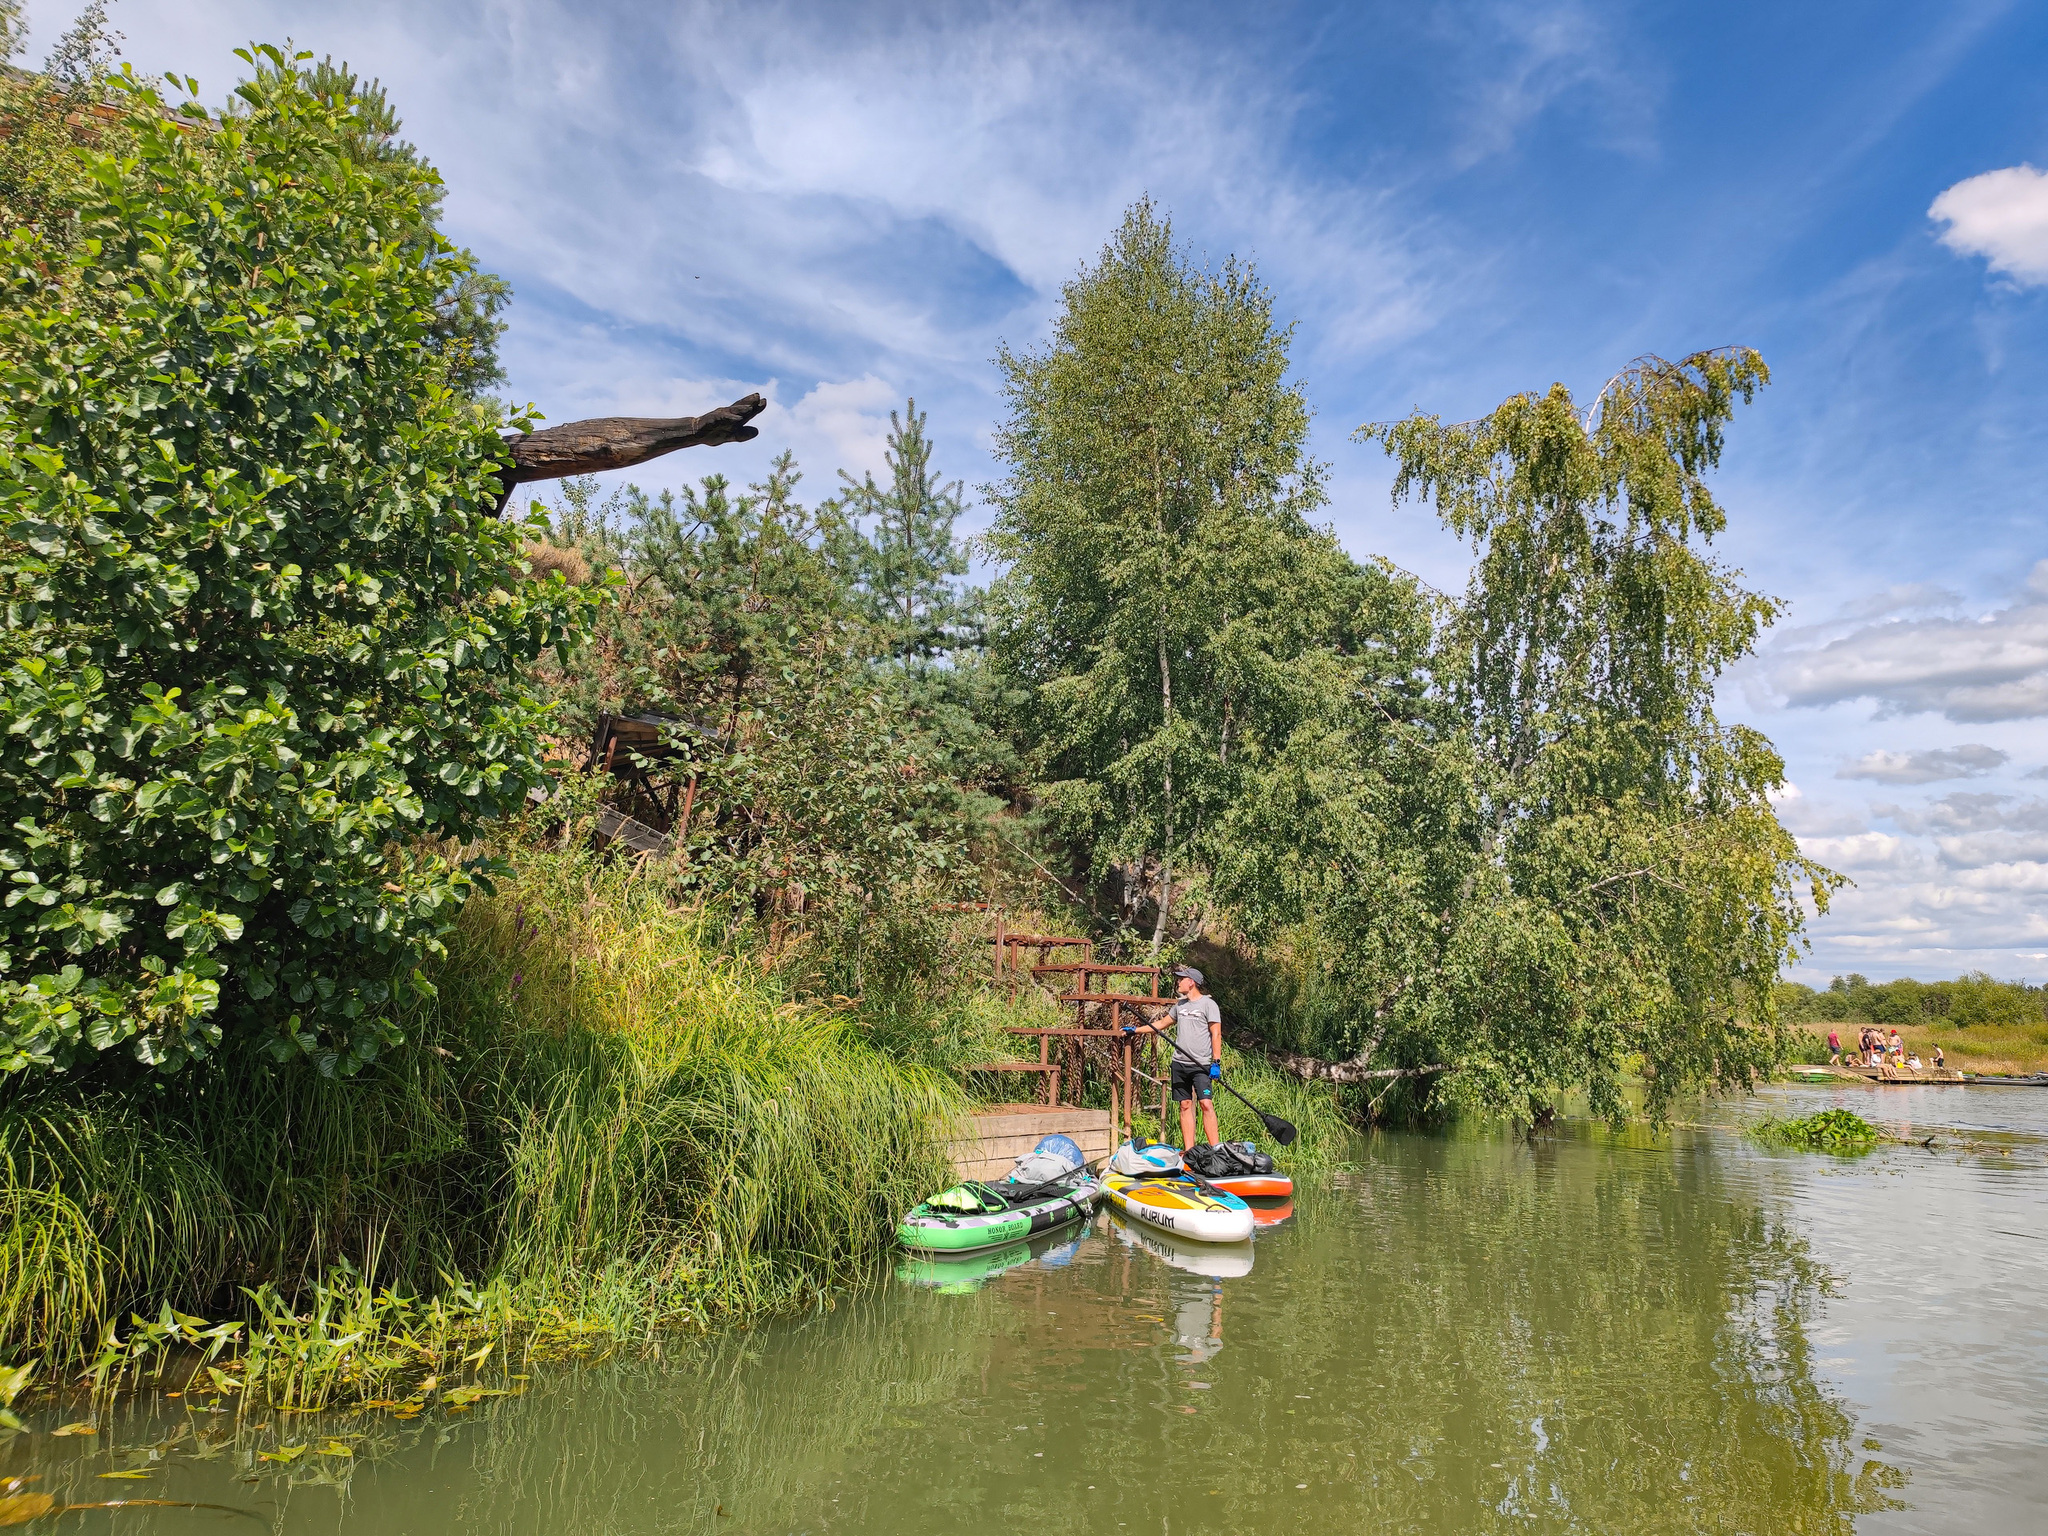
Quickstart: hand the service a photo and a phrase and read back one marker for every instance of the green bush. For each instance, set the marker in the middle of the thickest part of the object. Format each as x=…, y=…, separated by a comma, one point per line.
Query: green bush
x=263, y=630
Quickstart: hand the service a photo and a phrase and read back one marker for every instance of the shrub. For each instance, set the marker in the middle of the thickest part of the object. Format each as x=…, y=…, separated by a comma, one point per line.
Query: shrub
x=262, y=629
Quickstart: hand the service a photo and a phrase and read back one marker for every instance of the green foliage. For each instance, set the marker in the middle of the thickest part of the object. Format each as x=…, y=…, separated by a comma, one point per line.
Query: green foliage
x=903, y=570
x=1830, y=1130
x=1162, y=579
x=262, y=628
x=465, y=328
x=43, y=118
x=837, y=752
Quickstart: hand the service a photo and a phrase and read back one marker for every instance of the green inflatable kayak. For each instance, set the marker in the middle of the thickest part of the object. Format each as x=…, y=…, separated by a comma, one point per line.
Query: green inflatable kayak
x=974, y=1216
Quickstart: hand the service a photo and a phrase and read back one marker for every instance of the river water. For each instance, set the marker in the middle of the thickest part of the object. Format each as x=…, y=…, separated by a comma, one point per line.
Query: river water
x=1467, y=1333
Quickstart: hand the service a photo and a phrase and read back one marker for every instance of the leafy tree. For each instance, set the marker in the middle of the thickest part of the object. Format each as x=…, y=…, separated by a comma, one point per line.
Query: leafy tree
x=263, y=648
x=466, y=324
x=1558, y=863
x=720, y=592
x=44, y=117
x=1161, y=572
x=777, y=636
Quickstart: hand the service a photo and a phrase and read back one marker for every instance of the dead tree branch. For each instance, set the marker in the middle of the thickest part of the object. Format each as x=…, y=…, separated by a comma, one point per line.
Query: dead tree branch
x=615, y=442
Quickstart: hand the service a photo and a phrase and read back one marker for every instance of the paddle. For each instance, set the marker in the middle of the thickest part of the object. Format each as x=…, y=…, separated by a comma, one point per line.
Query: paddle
x=1282, y=1131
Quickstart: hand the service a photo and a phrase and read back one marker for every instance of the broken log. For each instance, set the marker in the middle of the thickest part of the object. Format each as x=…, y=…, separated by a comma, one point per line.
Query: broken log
x=1314, y=1069
x=615, y=442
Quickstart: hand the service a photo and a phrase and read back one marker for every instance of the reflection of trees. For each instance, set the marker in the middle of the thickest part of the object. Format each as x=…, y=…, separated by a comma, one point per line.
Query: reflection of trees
x=1622, y=1333
x=1486, y=1336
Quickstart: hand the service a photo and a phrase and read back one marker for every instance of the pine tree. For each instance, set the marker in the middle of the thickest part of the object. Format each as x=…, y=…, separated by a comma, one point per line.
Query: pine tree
x=905, y=568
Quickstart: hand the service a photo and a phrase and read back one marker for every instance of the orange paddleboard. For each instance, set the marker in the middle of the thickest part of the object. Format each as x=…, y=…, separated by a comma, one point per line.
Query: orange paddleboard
x=1257, y=1186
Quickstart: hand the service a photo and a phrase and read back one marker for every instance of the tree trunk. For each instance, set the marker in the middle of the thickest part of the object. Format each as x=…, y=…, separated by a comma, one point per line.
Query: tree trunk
x=1166, y=858
x=615, y=442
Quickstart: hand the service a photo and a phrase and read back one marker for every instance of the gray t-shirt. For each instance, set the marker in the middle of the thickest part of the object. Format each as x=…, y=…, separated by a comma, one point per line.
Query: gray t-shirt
x=1192, y=1017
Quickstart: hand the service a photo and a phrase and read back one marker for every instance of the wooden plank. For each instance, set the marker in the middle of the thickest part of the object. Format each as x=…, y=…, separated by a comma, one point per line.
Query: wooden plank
x=636, y=835
x=998, y=1138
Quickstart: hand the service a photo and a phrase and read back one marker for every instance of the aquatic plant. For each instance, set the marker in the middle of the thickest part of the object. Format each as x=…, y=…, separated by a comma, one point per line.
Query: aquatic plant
x=1830, y=1130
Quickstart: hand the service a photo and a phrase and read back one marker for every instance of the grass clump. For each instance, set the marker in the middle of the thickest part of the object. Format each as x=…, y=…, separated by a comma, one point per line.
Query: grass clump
x=1831, y=1130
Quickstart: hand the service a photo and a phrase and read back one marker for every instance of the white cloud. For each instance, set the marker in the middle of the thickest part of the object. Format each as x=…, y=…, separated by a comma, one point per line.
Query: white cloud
x=1971, y=670
x=1859, y=850
x=1806, y=817
x=2001, y=216
x=1930, y=765
x=1961, y=811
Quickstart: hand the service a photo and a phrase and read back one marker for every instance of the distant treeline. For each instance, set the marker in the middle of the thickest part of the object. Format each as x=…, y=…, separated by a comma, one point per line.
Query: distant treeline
x=1972, y=999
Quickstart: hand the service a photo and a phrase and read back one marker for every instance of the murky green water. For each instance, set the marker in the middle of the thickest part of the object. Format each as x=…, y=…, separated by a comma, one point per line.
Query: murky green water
x=1455, y=1335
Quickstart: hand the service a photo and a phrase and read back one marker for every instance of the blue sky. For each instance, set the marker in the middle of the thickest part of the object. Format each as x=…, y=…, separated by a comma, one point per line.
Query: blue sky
x=844, y=204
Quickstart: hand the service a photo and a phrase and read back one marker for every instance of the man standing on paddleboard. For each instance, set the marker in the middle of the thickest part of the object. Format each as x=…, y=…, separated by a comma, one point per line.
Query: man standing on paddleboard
x=1197, y=1025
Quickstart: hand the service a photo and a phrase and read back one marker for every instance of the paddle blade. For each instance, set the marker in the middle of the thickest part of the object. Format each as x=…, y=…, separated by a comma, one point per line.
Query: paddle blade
x=1283, y=1130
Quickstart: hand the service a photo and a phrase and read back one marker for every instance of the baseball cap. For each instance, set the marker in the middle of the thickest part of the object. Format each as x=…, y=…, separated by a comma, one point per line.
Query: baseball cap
x=1190, y=972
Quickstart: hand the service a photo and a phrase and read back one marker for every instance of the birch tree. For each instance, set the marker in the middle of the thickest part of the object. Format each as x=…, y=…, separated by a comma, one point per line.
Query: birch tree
x=1160, y=572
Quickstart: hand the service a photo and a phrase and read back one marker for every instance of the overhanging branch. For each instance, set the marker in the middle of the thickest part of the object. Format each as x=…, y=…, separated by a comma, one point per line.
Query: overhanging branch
x=1357, y=1069
x=616, y=442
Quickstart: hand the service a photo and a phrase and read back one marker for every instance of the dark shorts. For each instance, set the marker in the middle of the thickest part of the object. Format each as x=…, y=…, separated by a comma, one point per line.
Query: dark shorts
x=1191, y=1082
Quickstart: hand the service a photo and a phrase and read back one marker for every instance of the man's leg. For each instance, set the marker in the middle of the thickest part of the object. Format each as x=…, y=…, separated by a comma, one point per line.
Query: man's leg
x=1187, y=1124
x=1209, y=1120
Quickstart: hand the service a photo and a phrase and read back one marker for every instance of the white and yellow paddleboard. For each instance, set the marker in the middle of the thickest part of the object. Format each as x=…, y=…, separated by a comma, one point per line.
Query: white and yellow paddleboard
x=1180, y=1207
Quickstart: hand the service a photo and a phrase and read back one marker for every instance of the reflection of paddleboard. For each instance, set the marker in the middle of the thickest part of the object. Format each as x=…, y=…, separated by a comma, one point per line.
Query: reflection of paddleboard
x=1223, y=1261
x=1272, y=1213
x=957, y=1274
x=1181, y=1207
x=967, y=1272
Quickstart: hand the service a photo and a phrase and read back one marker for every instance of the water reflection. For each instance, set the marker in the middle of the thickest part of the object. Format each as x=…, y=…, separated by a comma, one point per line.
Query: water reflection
x=1457, y=1335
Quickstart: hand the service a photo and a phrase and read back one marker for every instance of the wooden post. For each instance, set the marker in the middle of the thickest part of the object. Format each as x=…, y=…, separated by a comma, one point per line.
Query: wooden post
x=1125, y=1047
x=1163, y=1082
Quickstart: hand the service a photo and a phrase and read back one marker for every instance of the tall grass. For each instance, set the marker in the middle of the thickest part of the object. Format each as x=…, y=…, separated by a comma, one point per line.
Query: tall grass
x=599, y=1110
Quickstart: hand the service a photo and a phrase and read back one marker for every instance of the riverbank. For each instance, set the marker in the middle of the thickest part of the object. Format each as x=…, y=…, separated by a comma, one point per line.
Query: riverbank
x=615, y=1118
x=2000, y=1048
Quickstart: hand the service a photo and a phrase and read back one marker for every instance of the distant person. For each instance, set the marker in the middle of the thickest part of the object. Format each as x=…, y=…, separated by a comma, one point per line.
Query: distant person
x=1834, y=1048
x=1940, y=1061
x=1898, y=1047
x=1197, y=1025
x=1865, y=1050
